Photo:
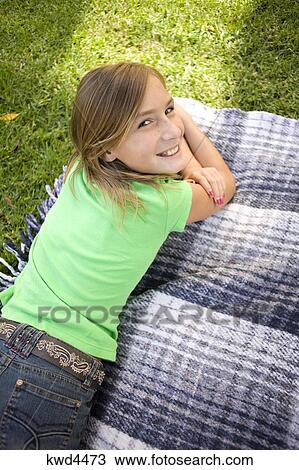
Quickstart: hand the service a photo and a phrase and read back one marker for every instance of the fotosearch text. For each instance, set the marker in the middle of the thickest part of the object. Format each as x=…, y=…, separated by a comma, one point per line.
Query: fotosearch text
x=163, y=315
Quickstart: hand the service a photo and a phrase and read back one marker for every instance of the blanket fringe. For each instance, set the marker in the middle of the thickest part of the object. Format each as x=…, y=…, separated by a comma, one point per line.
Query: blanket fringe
x=33, y=226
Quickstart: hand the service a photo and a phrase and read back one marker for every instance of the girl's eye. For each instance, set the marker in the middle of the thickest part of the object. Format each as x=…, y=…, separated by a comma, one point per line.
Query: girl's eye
x=141, y=124
x=171, y=107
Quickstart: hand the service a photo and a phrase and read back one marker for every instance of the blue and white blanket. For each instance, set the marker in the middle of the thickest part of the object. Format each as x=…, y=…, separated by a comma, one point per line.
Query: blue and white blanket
x=208, y=340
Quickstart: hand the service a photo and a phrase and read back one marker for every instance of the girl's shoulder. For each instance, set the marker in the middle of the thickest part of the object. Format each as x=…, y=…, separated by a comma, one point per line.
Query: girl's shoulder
x=171, y=201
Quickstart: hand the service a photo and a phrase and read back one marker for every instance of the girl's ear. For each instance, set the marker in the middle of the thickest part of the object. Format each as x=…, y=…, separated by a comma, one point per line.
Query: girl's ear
x=110, y=156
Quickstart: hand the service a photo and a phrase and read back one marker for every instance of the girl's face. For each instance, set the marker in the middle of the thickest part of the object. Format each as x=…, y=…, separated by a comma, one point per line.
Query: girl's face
x=157, y=129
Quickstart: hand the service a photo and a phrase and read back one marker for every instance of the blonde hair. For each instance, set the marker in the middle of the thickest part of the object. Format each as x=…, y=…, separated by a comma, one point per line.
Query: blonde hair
x=106, y=104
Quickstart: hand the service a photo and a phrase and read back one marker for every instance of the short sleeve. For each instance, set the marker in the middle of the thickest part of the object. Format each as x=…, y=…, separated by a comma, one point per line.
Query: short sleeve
x=179, y=201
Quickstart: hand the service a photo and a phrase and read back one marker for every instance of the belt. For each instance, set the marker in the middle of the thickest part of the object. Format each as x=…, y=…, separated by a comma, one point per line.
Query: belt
x=59, y=353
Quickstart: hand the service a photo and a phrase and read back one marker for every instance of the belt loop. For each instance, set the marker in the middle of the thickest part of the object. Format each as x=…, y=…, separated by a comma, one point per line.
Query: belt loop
x=23, y=340
x=94, y=373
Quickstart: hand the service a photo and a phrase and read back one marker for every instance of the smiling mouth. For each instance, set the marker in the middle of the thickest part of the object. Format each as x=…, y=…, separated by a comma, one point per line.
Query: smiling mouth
x=170, y=153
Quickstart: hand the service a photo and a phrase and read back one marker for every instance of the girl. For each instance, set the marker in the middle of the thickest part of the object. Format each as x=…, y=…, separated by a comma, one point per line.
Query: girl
x=141, y=169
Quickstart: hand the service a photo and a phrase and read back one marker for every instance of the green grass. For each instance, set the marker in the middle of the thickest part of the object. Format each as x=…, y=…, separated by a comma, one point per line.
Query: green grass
x=227, y=53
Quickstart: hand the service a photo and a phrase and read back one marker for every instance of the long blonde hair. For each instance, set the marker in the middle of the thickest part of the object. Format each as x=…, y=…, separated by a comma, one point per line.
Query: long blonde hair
x=106, y=104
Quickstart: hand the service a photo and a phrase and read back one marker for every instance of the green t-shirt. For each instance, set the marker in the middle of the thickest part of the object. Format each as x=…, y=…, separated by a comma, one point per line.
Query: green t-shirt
x=82, y=267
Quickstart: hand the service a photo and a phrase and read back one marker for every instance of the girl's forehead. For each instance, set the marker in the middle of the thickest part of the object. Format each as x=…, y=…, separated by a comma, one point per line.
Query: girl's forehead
x=156, y=95
x=153, y=83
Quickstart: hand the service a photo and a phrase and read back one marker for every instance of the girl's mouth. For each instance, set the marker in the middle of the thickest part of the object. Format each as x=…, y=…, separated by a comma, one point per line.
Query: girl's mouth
x=172, y=155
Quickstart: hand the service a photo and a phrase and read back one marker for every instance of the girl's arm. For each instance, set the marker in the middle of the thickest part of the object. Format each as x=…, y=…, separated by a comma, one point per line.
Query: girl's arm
x=193, y=164
x=205, y=154
x=202, y=148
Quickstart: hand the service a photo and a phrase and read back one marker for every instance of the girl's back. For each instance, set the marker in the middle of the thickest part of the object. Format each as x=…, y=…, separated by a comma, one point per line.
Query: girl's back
x=82, y=267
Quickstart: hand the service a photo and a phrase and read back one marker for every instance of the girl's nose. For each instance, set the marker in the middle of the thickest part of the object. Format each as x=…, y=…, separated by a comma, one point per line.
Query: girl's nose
x=170, y=131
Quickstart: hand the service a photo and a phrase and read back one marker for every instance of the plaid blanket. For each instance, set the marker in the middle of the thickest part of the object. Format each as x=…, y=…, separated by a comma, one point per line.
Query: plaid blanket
x=208, y=340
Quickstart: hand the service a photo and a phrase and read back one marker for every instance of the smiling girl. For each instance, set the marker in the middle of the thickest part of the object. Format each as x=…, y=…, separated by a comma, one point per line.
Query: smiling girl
x=140, y=170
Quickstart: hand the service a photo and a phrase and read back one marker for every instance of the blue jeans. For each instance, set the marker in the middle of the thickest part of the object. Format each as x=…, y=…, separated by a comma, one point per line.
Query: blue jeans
x=41, y=405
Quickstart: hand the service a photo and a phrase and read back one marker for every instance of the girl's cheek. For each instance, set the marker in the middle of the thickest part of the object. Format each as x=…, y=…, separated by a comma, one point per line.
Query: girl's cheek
x=180, y=124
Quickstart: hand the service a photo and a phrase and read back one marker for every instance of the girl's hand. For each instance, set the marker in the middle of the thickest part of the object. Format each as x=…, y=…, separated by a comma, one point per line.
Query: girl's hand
x=211, y=180
x=208, y=177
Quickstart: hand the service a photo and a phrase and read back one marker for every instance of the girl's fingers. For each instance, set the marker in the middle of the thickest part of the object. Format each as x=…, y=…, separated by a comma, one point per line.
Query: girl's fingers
x=202, y=180
x=222, y=183
x=219, y=189
x=217, y=193
x=213, y=183
x=210, y=188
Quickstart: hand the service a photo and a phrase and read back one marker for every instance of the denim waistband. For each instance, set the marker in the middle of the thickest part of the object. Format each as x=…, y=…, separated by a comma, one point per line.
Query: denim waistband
x=24, y=339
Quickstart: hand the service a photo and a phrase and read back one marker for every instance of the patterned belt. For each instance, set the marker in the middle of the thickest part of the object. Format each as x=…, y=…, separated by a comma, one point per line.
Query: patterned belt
x=59, y=353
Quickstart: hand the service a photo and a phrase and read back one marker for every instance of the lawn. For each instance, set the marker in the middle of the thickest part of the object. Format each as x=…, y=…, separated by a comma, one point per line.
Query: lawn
x=227, y=53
